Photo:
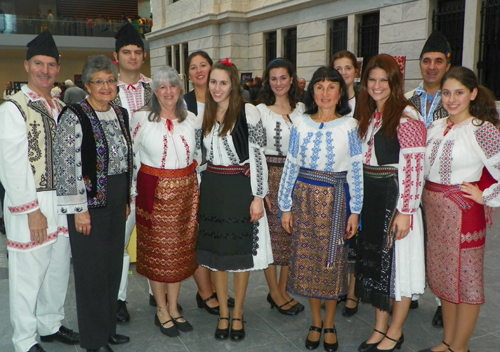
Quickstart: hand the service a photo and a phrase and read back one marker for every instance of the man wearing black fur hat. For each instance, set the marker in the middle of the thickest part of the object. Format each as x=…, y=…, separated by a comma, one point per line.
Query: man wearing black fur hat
x=134, y=92
x=434, y=63
x=38, y=244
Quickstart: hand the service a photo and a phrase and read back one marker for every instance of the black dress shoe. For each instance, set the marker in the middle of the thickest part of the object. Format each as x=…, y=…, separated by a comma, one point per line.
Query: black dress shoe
x=330, y=347
x=290, y=311
x=238, y=335
x=414, y=304
x=122, y=315
x=398, y=344
x=312, y=345
x=118, y=339
x=152, y=302
x=437, y=319
x=102, y=349
x=349, y=312
x=171, y=331
x=365, y=347
x=64, y=335
x=202, y=303
x=221, y=334
x=230, y=301
x=183, y=326
x=298, y=306
x=36, y=348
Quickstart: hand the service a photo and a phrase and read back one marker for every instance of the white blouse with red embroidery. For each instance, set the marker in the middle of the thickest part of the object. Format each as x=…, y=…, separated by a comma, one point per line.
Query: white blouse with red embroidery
x=411, y=134
x=460, y=155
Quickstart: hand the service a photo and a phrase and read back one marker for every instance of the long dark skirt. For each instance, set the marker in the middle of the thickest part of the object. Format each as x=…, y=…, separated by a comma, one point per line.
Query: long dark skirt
x=375, y=254
x=226, y=235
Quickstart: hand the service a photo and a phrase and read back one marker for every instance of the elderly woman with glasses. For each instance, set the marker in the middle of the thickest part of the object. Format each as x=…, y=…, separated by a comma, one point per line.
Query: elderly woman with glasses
x=94, y=172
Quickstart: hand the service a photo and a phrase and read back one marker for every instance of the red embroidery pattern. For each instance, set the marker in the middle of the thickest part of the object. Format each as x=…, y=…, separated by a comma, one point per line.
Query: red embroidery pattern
x=445, y=163
x=377, y=117
x=25, y=207
x=434, y=150
x=136, y=129
x=488, y=138
x=407, y=183
x=186, y=145
x=30, y=245
x=412, y=134
x=165, y=148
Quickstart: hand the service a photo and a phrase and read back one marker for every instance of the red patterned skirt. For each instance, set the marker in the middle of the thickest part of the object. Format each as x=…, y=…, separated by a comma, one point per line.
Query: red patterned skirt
x=167, y=226
x=456, y=234
x=280, y=240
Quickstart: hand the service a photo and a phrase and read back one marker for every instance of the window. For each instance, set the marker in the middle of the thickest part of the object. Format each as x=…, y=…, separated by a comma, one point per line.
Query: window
x=169, y=56
x=177, y=58
x=368, y=34
x=489, y=47
x=290, y=41
x=449, y=20
x=270, y=40
x=338, y=36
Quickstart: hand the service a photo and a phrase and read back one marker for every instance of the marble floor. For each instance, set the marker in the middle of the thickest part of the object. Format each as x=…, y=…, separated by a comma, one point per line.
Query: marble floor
x=266, y=329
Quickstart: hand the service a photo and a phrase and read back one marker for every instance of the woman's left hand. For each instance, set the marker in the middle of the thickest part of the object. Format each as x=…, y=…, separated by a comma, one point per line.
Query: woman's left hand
x=352, y=225
x=127, y=212
x=472, y=191
x=401, y=226
x=256, y=209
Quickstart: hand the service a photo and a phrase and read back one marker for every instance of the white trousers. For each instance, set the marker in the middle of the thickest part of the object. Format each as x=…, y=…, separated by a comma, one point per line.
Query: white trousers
x=129, y=227
x=38, y=282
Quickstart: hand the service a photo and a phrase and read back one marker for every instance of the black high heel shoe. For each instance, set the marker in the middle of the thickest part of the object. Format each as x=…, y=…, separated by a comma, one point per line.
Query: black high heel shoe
x=221, y=334
x=290, y=311
x=298, y=306
x=202, y=303
x=330, y=347
x=398, y=344
x=312, y=345
x=238, y=335
x=430, y=349
x=349, y=312
x=365, y=347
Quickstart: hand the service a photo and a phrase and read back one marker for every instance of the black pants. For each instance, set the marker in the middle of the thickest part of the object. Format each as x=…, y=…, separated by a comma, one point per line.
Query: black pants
x=97, y=263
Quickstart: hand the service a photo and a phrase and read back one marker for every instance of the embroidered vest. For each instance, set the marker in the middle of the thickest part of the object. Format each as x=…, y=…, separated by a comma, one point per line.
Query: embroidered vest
x=41, y=130
x=439, y=113
x=148, y=92
x=94, y=151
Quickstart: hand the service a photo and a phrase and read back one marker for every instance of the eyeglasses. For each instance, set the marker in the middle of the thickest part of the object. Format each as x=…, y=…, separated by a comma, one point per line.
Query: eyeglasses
x=100, y=83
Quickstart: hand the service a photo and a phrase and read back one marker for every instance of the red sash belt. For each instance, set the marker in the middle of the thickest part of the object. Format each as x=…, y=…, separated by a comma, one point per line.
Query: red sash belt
x=453, y=193
x=153, y=171
x=229, y=170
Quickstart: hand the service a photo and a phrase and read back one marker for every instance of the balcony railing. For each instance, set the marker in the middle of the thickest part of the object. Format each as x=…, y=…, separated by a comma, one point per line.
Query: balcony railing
x=12, y=24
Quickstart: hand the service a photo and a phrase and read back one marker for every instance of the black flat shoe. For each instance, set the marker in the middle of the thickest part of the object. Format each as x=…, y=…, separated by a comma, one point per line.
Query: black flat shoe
x=312, y=345
x=183, y=326
x=202, y=303
x=238, y=335
x=330, y=347
x=122, y=315
x=365, y=347
x=118, y=339
x=171, y=331
x=36, y=348
x=437, y=319
x=298, y=306
x=102, y=349
x=349, y=312
x=221, y=334
x=289, y=311
x=398, y=344
x=64, y=335
x=152, y=303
